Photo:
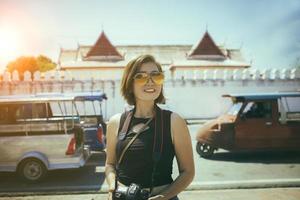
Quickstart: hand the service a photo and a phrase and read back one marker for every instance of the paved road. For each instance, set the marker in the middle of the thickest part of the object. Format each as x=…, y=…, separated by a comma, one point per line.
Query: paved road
x=237, y=194
x=223, y=167
x=228, y=166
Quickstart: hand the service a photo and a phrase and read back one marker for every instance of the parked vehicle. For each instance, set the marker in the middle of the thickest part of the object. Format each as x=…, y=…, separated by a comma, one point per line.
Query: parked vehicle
x=40, y=133
x=254, y=122
x=89, y=109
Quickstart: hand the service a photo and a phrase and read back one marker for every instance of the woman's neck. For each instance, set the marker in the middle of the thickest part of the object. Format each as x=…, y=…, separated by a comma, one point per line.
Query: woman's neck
x=144, y=109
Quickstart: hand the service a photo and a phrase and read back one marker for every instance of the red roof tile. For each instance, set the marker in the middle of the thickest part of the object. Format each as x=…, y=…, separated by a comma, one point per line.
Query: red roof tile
x=103, y=48
x=206, y=47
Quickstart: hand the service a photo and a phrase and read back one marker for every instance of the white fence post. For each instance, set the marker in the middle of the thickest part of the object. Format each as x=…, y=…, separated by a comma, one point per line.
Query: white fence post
x=288, y=74
x=297, y=73
x=237, y=74
x=37, y=76
x=48, y=76
x=201, y=74
x=256, y=74
x=246, y=74
x=6, y=76
x=195, y=75
x=27, y=76
x=15, y=75
x=68, y=76
x=57, y=76
x=283, y=74
x=210, y=74
x=265, y=74
x=219, y=74
x=228, y=74
x=275, y=74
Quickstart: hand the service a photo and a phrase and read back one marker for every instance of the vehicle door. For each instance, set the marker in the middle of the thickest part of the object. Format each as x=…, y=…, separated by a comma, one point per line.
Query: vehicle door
x=254, y=125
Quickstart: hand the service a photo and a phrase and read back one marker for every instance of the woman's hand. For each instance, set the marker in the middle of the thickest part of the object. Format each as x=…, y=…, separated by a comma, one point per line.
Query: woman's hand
x=157, y=197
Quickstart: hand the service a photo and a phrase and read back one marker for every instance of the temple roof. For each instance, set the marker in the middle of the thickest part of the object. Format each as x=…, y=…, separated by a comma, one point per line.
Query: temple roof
x=206, y=48
x=103, y=50
x=104, y=55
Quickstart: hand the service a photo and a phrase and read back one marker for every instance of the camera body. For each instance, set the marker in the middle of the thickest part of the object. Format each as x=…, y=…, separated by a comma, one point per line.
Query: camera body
x=133, y=192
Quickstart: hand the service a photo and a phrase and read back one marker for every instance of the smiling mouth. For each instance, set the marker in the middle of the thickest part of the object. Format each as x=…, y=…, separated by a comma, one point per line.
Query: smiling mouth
x=150, y=90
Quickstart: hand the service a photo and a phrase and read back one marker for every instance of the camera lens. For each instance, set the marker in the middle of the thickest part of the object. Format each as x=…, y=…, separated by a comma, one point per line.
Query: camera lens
x=144, y=194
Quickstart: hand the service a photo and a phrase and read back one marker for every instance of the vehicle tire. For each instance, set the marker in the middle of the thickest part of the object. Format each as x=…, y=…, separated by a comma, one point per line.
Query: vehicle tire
x=205, y=150
x=32, y=170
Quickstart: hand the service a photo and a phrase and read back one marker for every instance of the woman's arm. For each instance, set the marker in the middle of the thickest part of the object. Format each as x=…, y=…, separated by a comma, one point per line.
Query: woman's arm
x=111, y=141
x=184, y=155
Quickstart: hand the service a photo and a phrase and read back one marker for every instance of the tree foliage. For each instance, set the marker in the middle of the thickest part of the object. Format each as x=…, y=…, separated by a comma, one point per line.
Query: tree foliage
x=45, y=64
x=23, y=64
x=31, y=64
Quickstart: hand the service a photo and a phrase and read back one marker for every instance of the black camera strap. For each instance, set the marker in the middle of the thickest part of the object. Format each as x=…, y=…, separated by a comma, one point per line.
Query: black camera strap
x=158, y=142
x=125, y=122
x=132, y=140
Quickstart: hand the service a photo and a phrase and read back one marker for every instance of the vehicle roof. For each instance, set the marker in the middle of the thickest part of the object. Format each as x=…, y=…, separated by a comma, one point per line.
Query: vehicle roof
x=45, y=97
x=262, y=96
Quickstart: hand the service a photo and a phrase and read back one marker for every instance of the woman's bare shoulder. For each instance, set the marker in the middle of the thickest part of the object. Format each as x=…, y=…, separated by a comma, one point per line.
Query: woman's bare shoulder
x=113, y=123
x=176, y=118
x=115, y=118
x=178, y=126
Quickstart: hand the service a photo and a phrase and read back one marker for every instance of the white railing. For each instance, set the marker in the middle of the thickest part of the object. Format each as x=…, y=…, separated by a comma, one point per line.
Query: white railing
x=214, y=74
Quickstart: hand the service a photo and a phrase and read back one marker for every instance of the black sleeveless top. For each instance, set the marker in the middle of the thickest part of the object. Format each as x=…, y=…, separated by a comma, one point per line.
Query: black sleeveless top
x=137, y=164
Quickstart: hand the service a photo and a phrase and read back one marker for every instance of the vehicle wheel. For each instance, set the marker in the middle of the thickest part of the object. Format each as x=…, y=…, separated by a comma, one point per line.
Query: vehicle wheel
x=32, y=170
x=204, y=150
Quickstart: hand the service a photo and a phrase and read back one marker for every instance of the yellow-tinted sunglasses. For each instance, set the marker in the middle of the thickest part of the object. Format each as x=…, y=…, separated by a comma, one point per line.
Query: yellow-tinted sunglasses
x=142, y=78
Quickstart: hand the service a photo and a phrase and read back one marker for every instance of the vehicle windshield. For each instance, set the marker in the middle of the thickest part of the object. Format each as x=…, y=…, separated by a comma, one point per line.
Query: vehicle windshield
x=258, y=109
x=235, y=108
x=88, y=108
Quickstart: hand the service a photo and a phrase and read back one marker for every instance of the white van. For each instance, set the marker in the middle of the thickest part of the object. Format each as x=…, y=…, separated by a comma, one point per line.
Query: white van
x=40, y=133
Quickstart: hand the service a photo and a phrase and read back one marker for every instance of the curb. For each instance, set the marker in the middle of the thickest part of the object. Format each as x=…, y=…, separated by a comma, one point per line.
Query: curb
x=213, y=185
x=245, y=184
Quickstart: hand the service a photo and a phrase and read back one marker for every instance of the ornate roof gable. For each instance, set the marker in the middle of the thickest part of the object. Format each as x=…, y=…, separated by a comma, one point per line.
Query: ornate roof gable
x=103, y=50
x=206, y=49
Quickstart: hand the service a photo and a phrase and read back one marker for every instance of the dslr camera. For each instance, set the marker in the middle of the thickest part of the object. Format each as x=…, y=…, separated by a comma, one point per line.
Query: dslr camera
x=133, y=192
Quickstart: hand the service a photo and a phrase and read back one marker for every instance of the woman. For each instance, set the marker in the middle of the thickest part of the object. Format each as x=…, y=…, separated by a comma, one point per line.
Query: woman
x=142, y=87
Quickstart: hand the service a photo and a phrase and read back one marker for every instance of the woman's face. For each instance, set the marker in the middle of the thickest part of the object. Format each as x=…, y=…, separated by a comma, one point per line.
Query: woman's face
x=148, y=81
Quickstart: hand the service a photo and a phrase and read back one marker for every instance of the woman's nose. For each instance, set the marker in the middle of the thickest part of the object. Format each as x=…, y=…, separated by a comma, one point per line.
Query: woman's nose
x=150, y=81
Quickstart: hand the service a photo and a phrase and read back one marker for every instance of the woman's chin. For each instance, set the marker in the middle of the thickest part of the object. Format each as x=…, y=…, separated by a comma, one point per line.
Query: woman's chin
x=147, y=99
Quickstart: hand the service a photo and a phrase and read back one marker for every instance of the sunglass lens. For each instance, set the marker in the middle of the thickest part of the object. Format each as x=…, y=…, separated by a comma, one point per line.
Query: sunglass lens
x=141, y=78
x=158, y=78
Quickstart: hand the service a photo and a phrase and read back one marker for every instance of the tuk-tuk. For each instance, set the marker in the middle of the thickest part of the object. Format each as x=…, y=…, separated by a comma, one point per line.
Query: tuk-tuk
x=269, y=121
x=89, y=109
x=44, y=132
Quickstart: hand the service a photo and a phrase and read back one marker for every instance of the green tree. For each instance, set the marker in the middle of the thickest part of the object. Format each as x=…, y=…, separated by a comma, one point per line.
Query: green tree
x=22, y=64
x=31, y=64
x=45, y=64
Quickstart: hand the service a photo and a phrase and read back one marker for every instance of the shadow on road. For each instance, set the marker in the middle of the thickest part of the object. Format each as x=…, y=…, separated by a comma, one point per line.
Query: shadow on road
x=270, y=157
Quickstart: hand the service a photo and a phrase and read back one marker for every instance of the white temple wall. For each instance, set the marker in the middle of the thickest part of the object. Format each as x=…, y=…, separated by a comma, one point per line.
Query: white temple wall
x=192, y=95
x=95, y=74
x=114, y=74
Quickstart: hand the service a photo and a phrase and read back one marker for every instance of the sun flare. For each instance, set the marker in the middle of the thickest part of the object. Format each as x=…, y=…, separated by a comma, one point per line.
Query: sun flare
x=9, y=42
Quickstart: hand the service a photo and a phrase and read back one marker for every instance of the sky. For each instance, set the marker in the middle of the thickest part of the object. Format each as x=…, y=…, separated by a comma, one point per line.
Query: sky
x=266, y=31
